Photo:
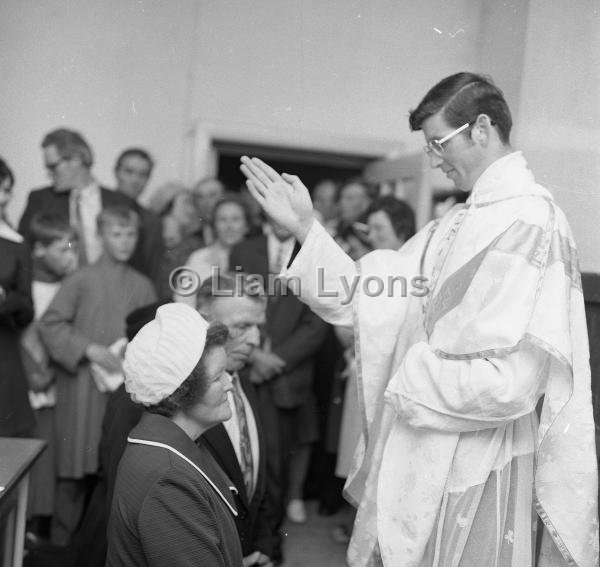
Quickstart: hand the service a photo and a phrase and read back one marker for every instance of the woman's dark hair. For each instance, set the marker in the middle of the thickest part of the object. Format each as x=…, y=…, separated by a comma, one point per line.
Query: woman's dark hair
x=6, y=173
x=399, y=212
x=462, y=98
x=193, y=388
x=228, y=199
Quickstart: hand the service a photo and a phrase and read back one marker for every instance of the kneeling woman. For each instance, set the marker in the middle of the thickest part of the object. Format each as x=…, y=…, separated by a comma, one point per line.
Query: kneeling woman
x=172, y=504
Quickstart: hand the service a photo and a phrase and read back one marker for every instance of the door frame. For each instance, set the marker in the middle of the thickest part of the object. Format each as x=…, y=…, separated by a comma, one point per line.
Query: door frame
x=201, y=157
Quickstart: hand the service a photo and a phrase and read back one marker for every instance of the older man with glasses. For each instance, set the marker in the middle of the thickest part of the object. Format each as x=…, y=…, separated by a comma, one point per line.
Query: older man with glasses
x=75, y=193
x=456, y=465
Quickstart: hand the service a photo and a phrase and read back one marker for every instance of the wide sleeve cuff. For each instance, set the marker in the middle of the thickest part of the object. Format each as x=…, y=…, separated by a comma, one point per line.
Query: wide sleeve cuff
x=318, y=274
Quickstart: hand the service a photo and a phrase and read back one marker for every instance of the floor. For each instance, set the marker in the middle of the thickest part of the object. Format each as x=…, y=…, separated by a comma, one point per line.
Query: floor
x=306, y=545
x=312, y=543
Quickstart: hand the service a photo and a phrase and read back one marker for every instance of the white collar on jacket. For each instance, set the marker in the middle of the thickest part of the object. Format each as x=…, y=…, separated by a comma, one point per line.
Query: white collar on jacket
x=204, y=475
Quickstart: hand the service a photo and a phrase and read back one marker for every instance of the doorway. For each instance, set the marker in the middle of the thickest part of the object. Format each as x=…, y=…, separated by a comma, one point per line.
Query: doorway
x=310, y=166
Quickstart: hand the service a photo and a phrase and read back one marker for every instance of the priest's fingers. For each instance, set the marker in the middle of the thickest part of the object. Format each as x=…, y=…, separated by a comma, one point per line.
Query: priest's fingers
x=256, y=193
x=294, y=181
x=266, y=169
x=254, y=172
x=248, y=173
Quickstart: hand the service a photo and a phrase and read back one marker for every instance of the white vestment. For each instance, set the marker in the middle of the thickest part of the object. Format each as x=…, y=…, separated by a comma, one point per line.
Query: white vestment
x=453, y=465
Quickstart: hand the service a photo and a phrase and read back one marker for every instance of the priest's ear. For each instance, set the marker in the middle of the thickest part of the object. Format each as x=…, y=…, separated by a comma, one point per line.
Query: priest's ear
x=483, y=130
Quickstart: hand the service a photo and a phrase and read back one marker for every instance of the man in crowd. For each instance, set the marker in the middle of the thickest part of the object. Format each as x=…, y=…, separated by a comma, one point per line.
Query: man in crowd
x=282, y=369
x=238, y=445
x=133, y=169
x=354, y=199
x=74, y=193
x=453, y=466
x=207, y=192
x=324, y=197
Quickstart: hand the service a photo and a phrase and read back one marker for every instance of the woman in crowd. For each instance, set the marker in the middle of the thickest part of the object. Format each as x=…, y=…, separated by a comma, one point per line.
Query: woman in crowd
x=172, y=504
x=391, y=223
x=16, y=311
x=229, y=225
x=180, y=225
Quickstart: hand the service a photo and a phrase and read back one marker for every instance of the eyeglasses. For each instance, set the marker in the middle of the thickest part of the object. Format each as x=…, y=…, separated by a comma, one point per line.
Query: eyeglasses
x=52, y=166
x=437, y=146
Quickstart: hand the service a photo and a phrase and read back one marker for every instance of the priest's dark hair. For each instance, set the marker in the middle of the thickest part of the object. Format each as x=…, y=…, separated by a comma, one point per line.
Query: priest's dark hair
x=462, y=98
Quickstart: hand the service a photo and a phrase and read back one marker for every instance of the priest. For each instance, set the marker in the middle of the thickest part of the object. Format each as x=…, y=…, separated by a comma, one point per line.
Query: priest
x=475, y=395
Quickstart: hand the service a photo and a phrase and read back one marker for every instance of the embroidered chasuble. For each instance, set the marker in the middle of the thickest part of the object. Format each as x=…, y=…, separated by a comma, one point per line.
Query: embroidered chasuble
x=453, y=467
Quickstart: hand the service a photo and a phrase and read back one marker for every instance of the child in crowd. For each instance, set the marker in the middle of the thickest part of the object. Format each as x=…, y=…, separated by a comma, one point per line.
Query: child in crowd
x=85, y=318
x=54, y=255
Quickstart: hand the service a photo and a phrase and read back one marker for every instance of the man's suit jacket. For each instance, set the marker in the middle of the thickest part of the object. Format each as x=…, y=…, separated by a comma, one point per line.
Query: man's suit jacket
x=149, y=247
x=149, y=250
x=252, y=523
x=295, y=332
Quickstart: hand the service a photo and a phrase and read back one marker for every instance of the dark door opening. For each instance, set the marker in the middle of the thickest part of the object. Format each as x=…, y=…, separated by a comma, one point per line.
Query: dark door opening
x=310, y=166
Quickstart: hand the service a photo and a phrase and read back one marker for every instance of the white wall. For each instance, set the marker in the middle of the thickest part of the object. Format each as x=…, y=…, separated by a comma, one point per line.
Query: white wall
x=559, y=120
x=347, y=67
x=116, y=70
x=143, y=71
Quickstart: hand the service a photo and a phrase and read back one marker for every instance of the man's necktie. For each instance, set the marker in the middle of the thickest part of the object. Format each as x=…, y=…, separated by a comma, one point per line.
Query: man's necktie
x=77, y=222
x=246, y=463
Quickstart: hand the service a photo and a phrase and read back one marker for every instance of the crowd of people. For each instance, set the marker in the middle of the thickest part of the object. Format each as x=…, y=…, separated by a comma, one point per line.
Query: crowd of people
x=183, y=423
x=82, y=274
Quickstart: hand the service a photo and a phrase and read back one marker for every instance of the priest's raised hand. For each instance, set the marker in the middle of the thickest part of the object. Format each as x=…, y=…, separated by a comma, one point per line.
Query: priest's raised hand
x=283, y=197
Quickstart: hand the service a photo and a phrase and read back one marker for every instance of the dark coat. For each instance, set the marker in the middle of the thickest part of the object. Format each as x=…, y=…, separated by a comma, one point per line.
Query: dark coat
x=16, y=311
x=165, y=512
x=89, y=543
x=122, y=415
x=149, y=247
x=296, y=333
x=252, y=521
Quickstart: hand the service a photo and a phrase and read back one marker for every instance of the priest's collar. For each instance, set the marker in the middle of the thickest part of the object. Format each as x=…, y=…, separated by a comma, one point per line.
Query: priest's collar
x=507, y=177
